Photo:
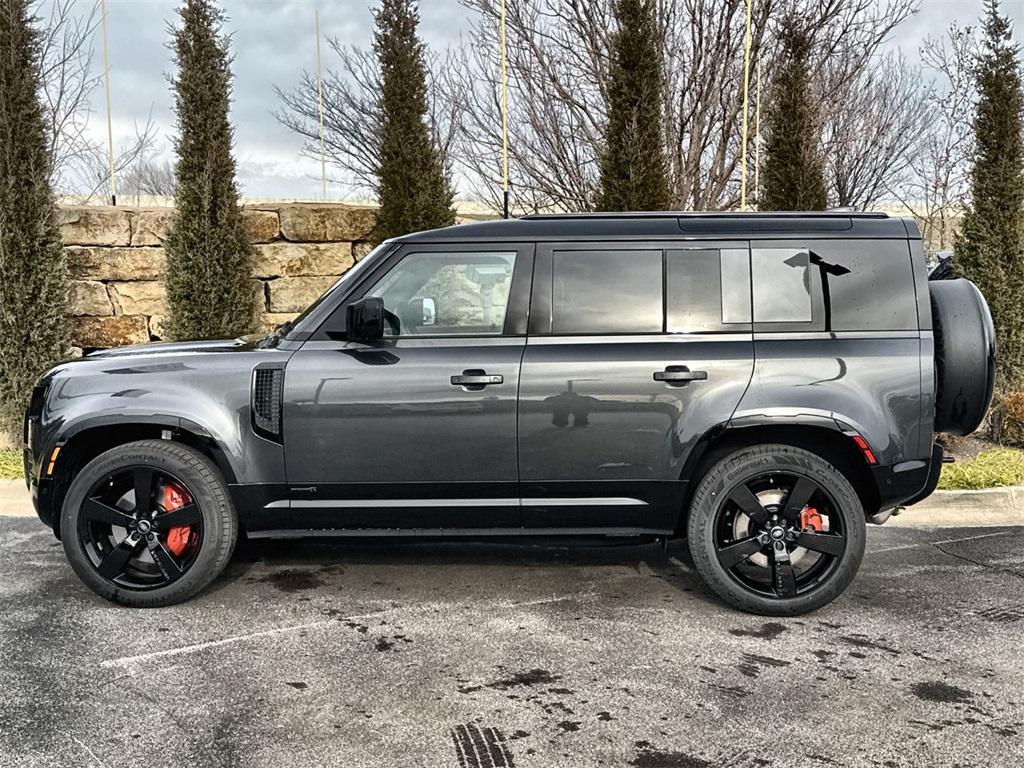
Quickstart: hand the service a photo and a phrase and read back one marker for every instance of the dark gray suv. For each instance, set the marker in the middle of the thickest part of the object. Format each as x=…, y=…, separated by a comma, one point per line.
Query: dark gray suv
x=761, y=384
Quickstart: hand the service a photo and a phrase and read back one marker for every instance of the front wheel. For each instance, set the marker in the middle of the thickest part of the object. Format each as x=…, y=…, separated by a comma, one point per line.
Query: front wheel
x=148, y=523
x=776, y=530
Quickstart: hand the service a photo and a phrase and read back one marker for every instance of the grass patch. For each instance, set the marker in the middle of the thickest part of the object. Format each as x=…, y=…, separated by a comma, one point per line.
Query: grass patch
x=11, y=467
x=993, y=468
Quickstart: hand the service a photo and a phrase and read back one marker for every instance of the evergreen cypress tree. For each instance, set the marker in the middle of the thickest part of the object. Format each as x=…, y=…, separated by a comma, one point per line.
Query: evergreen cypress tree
x=990, y=246
x=209, y=285
x=793, y=174
x=33, y=270
x=632, y=165
x=413, y=188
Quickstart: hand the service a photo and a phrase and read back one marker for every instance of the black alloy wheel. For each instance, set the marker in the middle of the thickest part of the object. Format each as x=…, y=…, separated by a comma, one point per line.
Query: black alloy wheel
x=767, y=516
x=148, y=523
x=776, y=530
x=127, y=533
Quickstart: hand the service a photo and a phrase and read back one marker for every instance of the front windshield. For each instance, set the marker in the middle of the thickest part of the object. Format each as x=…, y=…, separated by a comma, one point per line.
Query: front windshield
x=353, y=272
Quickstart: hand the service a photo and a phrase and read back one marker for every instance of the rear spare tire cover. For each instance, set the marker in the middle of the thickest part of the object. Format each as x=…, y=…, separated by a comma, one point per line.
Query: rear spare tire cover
x=965, y=355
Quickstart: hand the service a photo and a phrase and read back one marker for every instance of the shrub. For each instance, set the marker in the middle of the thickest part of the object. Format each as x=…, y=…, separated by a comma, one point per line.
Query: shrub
x=413, y=188
x=33, y=271
x=632, y=164
x=1006, y=420
x=209, y=258
x=793, y=177
x=989, y=469
x=990, y=247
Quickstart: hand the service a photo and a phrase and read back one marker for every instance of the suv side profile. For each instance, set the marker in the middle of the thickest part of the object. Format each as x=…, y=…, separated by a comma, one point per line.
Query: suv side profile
x=761, y=384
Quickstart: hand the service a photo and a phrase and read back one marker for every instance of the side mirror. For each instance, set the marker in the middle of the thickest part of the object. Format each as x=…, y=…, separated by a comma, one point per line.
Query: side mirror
x=425, y=309
x=364, y=319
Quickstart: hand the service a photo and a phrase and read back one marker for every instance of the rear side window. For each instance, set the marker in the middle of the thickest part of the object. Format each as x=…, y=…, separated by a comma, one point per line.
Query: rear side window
x=606, y=291
x=708, y=290
x=871, y=284
x=782, y=287
x=833, y=285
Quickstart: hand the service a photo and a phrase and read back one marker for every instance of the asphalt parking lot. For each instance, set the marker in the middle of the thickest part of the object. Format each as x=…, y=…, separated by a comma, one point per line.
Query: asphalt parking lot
x=478, y=655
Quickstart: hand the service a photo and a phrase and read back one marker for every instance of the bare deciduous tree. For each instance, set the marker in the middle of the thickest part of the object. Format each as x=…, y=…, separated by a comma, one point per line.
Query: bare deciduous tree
x=875, y=132
x=558, y=76
x=80, y=162
x=352, y=114
x=936, y=186
x=148, y=177
x=558, y=54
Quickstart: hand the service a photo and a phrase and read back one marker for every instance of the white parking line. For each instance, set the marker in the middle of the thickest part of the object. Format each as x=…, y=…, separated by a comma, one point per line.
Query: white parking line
x=196, y=647
x=92, y=754
x=971, y=538
x=943, y=541
x=892, y=549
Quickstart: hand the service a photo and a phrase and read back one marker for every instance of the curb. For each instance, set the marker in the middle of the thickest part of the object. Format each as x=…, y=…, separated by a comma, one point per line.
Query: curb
x=985, y=507
x=14, y=499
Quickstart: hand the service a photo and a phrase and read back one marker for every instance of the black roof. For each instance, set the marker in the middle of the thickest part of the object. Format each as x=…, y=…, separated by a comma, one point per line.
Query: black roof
x=673, y=225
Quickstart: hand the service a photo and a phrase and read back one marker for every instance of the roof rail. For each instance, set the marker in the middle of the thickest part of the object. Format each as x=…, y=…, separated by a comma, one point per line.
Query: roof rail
x=710, y=214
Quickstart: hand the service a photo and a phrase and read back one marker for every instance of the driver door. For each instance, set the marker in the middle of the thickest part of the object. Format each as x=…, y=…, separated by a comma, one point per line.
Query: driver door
x=416, y=430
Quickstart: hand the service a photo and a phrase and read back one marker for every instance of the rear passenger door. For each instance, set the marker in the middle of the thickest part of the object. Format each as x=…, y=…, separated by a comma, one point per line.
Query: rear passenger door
x=634, y=351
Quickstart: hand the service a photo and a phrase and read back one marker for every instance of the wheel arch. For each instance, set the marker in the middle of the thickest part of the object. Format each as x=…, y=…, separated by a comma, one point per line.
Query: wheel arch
x=821, y=436
x=85, y=440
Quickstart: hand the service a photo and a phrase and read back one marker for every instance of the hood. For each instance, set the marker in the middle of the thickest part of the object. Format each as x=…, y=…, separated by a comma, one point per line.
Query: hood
x=165, y=357
x=174, y=348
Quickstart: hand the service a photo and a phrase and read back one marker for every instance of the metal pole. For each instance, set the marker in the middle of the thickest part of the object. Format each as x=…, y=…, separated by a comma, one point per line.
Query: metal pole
x=320, y=99
x=106, y=89
x=746, y=88
x=504, y=112
x=757, y=138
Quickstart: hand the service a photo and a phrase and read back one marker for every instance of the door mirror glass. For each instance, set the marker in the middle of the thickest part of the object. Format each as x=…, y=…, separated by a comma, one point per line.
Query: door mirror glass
x=365, y=319
x=424, y=310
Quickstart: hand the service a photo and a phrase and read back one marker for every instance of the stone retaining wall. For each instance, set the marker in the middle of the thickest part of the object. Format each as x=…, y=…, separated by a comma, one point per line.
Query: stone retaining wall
x=116, y=260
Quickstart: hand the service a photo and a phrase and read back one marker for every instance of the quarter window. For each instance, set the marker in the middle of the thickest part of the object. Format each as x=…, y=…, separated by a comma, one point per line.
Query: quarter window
x=612, y=291
x=447, y=294
x=782, y=288
x=708, y=290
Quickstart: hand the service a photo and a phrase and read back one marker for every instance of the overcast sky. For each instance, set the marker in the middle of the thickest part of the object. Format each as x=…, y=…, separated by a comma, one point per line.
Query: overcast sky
x=273, y=41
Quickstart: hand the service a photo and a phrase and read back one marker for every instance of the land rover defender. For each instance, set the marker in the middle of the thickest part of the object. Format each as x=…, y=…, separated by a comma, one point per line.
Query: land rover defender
x=763, y=385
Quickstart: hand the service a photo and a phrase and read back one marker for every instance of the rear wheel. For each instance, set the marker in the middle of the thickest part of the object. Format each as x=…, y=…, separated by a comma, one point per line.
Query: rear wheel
x=148, y=523
x=776, y=530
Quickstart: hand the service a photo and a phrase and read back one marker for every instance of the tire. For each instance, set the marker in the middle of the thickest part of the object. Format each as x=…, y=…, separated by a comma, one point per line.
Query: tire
x=965, y=355
x=90, y=535
x=720, y=530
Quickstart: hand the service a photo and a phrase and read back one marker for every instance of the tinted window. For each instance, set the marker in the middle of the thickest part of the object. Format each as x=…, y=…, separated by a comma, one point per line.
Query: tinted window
x=613, y=291
x=782, y=288
x=708, y=290
x=444, y=294
x=851, y=285
x=871, y=284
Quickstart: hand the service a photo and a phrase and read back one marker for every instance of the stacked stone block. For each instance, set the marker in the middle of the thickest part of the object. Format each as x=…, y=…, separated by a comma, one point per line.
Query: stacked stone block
x=116, y=260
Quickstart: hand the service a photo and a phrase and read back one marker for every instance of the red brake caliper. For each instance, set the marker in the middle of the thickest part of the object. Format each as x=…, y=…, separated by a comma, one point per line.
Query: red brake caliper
x=175, y=497
x=810, y=518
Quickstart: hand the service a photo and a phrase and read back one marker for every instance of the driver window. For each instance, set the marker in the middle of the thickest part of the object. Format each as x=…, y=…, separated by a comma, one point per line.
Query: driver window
x=447, y=294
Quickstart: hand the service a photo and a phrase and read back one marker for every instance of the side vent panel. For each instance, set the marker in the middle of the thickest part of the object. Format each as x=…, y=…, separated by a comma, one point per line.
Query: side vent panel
x=267, y=391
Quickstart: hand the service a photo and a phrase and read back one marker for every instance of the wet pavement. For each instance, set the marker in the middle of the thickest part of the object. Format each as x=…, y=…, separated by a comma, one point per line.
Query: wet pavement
x=469, y=655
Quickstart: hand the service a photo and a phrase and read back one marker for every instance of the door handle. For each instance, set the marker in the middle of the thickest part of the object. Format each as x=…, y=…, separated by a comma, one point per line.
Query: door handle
x=474, y=379
x=679, y=375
